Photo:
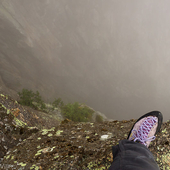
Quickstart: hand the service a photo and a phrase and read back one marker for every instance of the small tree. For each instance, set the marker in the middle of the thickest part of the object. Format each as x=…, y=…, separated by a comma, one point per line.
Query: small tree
x=26, y=97
x=39, y=101
x=58, y=103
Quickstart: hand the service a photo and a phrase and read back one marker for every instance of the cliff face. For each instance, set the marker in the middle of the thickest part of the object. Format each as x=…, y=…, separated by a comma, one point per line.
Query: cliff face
x=106, y=55
x=52, y=47
x=44, y=46
x=20, y=66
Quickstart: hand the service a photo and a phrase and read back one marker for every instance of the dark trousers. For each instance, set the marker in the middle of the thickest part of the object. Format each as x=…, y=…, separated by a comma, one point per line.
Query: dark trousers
x=129, y=155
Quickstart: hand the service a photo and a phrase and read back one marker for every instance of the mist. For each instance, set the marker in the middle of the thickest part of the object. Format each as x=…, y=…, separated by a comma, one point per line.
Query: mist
x=112, y=55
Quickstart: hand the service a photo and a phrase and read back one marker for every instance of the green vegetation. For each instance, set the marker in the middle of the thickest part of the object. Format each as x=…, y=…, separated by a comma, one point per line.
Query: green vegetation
x=26, y=97
x=29, y=98
x=58, y=103
x=39, y=101
x=73, y=111
x=77, y=112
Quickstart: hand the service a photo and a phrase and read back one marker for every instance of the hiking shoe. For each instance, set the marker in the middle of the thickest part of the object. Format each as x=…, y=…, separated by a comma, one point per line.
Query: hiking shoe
x=146, y=127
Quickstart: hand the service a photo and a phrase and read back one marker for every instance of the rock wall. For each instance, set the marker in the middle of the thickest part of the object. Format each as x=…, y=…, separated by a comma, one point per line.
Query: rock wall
x=113, y=56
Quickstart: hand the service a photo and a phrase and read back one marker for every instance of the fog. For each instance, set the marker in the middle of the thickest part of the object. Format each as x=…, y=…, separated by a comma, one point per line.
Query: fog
x=112, y=55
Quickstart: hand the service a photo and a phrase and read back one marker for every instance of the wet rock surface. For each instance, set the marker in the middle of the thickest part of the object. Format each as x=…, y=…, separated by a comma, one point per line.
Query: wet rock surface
x=69, y=145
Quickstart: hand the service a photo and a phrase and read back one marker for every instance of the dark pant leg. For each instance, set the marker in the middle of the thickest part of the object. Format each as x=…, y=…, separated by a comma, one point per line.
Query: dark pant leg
x=129, y=155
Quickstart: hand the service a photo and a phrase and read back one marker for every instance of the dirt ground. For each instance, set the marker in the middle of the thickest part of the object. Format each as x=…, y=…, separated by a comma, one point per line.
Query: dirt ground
x=67, y=145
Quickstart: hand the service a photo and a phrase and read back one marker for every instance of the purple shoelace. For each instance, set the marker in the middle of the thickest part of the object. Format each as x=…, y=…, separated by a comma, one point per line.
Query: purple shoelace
x=142, y=134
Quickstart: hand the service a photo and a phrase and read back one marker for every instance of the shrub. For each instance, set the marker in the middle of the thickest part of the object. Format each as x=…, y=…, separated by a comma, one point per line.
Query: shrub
x=77, y=112
x=28, y=97
x=58, y=103
x=39, y=102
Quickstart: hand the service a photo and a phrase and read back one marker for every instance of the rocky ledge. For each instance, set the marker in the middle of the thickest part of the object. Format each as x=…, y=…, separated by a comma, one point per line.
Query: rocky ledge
x=70, y=145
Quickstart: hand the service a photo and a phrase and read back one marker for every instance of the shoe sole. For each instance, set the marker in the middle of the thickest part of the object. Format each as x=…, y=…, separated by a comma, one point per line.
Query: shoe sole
x=155, y=114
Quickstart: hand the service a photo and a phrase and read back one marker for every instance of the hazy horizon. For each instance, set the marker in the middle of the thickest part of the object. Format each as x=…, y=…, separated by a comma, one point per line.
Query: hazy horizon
x=112, y=55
